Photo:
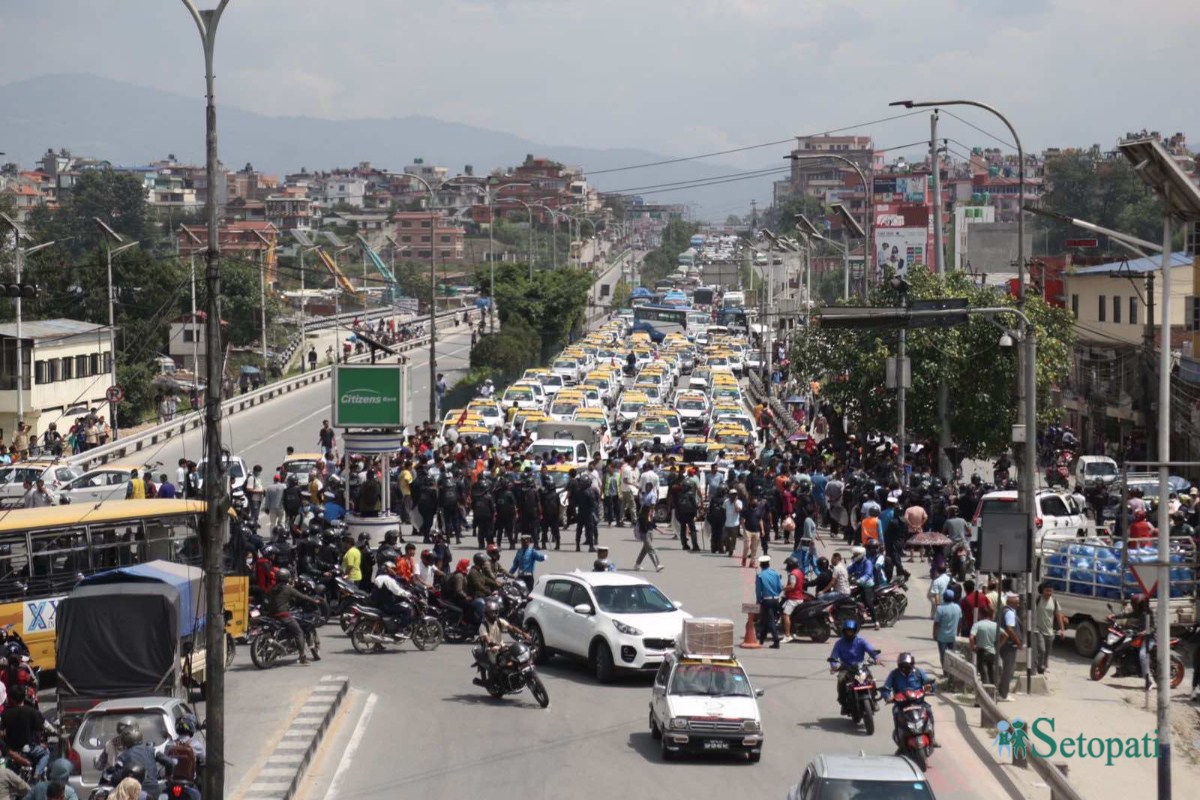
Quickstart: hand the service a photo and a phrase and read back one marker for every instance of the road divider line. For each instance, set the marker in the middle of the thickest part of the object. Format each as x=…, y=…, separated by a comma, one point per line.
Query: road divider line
x=364, y=720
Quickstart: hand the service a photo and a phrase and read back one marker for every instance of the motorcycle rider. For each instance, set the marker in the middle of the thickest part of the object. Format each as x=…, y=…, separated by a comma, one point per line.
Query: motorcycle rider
x=1135, y=619
x=906, y=677
x=389, y=595
x=847, y=655
x=480, y=583
x=140, y=754
x=187, y=745
x=862, y=573
x=456, y=591
x=793, y=595
x=114, y=746
x=491, y=639
x=278, y=604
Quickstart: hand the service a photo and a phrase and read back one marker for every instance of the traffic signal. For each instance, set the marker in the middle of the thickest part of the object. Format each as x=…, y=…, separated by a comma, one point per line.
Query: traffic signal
x=24, y=291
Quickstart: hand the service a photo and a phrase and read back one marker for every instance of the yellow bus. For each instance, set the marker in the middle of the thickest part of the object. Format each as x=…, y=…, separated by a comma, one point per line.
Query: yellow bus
x=44, y=551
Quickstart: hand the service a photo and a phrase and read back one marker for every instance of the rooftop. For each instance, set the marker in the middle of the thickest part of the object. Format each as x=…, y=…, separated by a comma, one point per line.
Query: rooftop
x=1136, y=266
x=49, y=328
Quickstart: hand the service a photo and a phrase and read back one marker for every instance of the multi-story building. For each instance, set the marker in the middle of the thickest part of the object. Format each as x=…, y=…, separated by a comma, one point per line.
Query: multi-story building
x=420, y=232
x=250, y=184
x=291, y=209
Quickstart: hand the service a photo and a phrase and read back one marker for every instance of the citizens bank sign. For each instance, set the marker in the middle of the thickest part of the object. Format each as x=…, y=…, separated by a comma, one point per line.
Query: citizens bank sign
x=368, y=396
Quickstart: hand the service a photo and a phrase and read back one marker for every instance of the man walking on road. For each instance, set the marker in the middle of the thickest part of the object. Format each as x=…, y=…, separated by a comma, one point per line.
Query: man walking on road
x=1048, y=623
x=983, y=645
x=255, y=492
x=273, y=500
x=1008, y=643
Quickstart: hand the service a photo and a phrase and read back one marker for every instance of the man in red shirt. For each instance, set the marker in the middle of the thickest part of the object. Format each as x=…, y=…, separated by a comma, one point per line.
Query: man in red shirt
x=1141, y=532
x=974, y=601
x=793, y=595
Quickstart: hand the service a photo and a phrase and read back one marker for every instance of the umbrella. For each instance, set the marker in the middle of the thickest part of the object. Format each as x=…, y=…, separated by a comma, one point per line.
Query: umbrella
x=249, y=370
x=794, y=399
x=797, y=437
x=928, y=539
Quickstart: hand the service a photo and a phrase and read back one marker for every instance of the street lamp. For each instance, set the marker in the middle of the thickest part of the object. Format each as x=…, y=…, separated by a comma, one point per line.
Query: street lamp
x=433, y=398
x=529, y=211
x=21, y=253
x=112, y=236
x=870, y=191
x=262, y=289
x=196, y=243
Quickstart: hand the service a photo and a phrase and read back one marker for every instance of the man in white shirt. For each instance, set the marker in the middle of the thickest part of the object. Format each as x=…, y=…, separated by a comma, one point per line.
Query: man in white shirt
x=649, y=475
x=841, y=576
x=254, y=491
x=628, y=494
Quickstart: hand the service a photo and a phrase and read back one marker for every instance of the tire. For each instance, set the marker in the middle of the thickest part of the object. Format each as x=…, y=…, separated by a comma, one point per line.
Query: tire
x=868, y=718
x=667, y=755
x=539, y=691
x=358, y=636
x=495, y=691
x=1176, y=670
x=655, y=733
x=230, y=651
x=1100, y=666
x=918, y=757
x=602, y=663
x=821, y=635
x=263, y=651
x=541, y=653
x=344, y=620
x=1087, y=639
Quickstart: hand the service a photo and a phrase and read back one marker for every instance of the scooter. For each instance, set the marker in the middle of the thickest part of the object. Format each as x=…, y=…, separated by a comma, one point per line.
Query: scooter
x=513, y=672
x=913, y=733
x=820, y=619
x=1120, y=651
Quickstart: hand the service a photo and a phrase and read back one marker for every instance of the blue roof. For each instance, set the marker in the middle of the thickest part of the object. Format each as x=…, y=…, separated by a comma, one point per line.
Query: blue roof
x=184, y=579
x=1136, y=265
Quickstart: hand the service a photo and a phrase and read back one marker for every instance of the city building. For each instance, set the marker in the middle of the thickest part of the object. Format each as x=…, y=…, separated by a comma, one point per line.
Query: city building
x=413, y=232
x=187, y=345
x=66, y=367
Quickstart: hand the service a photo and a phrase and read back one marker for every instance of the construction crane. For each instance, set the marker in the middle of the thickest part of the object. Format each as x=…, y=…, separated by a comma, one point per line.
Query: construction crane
x=339, y=277
x=393, y=288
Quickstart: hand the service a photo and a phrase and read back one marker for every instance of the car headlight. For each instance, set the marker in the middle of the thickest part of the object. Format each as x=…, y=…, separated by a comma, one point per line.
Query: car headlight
x=751, y=726
x=628, y=630
x=678, y=724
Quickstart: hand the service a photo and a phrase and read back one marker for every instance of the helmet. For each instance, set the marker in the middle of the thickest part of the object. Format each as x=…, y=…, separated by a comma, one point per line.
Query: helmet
x=858, y=552
x=391, y=537
x=137, y=772
x=388, y=554
x=822, y=563
x=125, y=723
x=873, y=546
x=493, y=552
x=479, y=559
x=849, y=628
x=906, y=663
x=427, y=556
x=131, y=737
x=600, y=565
x=492, y=610
x=790, y=563
x=186, y=726
x=283, y=575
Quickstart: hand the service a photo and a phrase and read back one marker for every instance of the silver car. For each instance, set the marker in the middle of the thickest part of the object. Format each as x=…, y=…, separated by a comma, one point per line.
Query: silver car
x=13, y=476
x=837, y=776
x=157, y=718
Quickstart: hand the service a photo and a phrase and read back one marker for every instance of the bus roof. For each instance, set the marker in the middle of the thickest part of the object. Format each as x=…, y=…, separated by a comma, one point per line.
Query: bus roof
x=88, y=514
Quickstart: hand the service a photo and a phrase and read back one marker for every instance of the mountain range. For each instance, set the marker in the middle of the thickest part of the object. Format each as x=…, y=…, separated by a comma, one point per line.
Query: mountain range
x=131, y=125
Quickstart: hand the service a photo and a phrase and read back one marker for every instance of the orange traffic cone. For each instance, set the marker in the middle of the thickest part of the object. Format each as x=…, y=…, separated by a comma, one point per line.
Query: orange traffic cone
x=750, y=640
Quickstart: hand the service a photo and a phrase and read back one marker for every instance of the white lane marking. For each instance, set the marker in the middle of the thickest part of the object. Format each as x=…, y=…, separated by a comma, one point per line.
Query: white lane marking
x=364, y=720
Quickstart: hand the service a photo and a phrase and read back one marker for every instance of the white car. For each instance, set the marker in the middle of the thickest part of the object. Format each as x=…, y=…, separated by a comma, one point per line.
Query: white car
x=705, y=705
x=525, y=396
x=109, y=482
x=693, y=410
x=13, y=477
x=569, y=368
x=611, y=620
x=551, y=383
x=576, y=453
x=1058, y=513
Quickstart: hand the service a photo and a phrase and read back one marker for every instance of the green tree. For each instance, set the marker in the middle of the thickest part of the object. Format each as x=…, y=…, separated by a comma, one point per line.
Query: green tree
x=241, y=301
x=553, y=303
x=780, y=219
x=116, y=198
x=661, y=263
x=1105, y=191
x=850, y=364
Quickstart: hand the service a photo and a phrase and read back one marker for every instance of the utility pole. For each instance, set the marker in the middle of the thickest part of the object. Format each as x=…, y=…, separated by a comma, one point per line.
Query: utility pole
x=215, y=489
x=902, y=388
x=1147, y=387
x=939, y=260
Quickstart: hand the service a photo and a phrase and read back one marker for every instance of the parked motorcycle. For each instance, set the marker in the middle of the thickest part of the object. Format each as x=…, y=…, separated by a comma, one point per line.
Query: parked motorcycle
x=913, y=733
x=820, y=619
x=1120, y=651
x=513, y=672
x=456, y=627
x=373, y=629
x=862, y=695
x=269, y=640
x=891, y=601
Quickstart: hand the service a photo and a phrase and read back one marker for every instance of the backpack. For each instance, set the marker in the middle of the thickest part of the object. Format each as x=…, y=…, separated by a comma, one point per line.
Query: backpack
x=531, y=500
x=686, y=502
x=448, y=490
x=716, y=510
x=506, y=503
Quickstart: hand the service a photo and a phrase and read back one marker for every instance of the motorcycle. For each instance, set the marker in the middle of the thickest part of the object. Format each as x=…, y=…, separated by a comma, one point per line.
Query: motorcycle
x=891, y=601
x=1120, y=651
x=820, y=619
x=1059, y=473
x=513, y=672
x=862, y=695
x=373, y=629
x=962, y=563
x=269, y=639
x=456, y=627
x=913, y=734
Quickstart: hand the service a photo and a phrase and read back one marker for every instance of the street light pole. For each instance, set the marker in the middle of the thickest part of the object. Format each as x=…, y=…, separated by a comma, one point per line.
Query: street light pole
x=21, y=253
x=262, y=290
x=869, y=227
x=111, y=236
x=215, y=489
x=433, y=398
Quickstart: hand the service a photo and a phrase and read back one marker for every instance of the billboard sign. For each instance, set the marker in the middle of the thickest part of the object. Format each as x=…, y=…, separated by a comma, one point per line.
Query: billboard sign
x=368, y=396
x=901, y=236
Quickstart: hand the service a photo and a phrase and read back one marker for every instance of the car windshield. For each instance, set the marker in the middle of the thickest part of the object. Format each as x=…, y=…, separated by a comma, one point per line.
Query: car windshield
x=98, y=729
x=235, y=469
x=714, y=680
x=302, y=467
x=851, y=789
x=655, y=426
x=634, y=599
x=565, y=363
x=518, y=394
x=690, y=405
x=537, y=449
x=1101, y=468
x=567, y=408
x=632, y=408
x=550, y=380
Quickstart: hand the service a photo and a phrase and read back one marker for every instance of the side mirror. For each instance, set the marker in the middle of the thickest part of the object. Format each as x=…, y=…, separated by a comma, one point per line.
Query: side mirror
x=677, y=603
x=759, y=692
x=583, y=609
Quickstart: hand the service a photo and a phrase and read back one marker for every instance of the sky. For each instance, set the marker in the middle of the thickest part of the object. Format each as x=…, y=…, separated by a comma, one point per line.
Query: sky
x=679, y=77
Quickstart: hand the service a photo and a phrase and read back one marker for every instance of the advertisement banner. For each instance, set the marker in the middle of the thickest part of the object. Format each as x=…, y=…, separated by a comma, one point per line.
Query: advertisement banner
x=368, y=396
x=900, y=248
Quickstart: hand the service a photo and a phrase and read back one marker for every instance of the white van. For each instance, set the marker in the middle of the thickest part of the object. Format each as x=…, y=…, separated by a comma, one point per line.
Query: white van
x=1058, y=513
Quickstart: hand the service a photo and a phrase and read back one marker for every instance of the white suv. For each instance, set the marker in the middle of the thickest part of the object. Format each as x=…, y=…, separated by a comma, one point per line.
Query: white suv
x=1058, y=513
x=613, y=621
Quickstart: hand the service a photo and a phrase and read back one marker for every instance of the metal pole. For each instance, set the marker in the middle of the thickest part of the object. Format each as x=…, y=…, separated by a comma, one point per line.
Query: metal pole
x=1029, y=481
x=529, y=210
x=262, y=292
x=195, y=339
x=303, y=308
x=939, y=260
x=433, y=398
x=845, y=267
x=20, y=264
x=491, y=198
x=902, y=392
x=215, y=488
x=1164, y=536
x=112, y=343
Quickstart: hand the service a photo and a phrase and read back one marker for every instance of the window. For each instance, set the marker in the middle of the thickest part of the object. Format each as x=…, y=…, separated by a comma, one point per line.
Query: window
x=1075, y=306
x=53, y=370
x=424, y=239
x=68, y=369
x=1053, y=506
x=1133, y=308
x=82, y=365
x=580, y=596
x=1116, y=309
x=1103, y=308
x=40, y=372
x=445, y=239
x=558, y=591
x=108, y=362
x=94, y=364
x=188, y=335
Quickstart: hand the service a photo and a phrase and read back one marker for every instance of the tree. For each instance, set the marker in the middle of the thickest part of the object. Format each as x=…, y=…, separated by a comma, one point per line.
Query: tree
x=733, y=221
x=1105, y=191
x=850, y=365
x=780, y=219
x=117, y=198
x=241, y=301
x=661, y=263
x=553, y=303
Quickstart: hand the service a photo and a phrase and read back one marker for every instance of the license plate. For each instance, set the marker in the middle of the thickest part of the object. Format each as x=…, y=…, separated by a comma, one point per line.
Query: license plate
x=716, y=744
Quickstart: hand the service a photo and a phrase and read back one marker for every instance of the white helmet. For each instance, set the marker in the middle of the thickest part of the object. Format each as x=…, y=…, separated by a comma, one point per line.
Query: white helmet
x=858, y=552
x=487, y=382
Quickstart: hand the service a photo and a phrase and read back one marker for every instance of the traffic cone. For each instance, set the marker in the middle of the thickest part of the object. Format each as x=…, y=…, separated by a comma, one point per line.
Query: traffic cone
x=750, y=640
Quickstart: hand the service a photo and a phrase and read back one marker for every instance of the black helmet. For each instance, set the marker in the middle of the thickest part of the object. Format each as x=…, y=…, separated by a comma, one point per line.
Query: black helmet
x=906, y=663
x=391, y=537
x=849, y=628
x=131, y=737
x=283, y=575
x=125, y=723
x=790, y=563
x=491, y=610
x=479, y=559
x=600, y=565
x=822, y=563
x=186, y=726
x=137, y=772
x=387, y=554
